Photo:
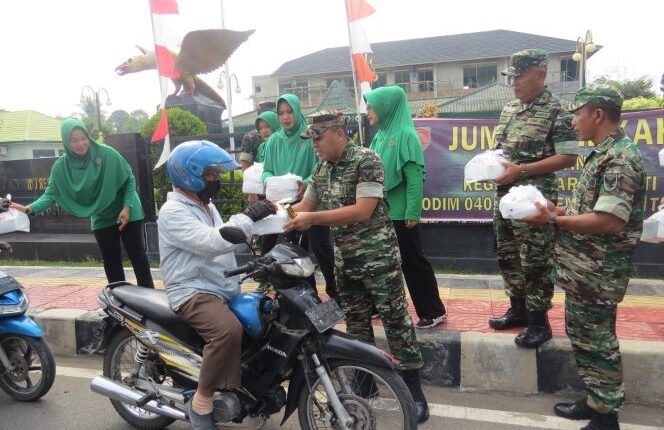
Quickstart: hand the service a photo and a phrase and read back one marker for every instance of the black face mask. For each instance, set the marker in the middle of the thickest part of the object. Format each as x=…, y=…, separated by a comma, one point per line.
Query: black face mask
x=209, y=191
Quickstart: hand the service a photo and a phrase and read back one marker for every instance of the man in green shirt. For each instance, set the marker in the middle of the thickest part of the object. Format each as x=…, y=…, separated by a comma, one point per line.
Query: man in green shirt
x=596, y=237
x=530, y=132
x=347, y=184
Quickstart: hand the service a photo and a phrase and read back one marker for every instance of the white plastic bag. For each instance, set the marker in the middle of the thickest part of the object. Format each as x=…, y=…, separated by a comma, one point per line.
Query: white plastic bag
x=661, y=157
x=271, y=224
x=485, y=166
x=252, y=179
x=653, y=227
x=13, y=220
x=282, y=187
x=519, y=202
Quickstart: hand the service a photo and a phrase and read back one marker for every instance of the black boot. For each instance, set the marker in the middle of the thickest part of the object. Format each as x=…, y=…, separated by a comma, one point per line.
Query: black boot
x=578, y=410
x=537, y=332
x=514, y=317
x=603, y=422
x=412, y=380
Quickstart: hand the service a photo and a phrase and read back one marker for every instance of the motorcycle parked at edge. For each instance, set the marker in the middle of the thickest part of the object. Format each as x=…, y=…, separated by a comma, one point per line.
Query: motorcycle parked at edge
x=152, y=357
x=27, y=367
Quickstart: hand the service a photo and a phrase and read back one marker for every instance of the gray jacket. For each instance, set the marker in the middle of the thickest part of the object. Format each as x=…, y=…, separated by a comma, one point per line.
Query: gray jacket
x=193, y=254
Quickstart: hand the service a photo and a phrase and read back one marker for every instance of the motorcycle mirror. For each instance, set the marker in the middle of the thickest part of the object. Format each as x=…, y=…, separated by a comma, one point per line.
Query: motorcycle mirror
x=233, y=235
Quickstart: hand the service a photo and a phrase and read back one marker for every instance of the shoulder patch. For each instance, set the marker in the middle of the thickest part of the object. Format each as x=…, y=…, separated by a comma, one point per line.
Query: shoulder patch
x=610, y=181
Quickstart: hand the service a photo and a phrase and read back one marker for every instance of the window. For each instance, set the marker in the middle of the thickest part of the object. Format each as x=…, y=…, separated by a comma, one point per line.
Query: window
x=43, y=153
x=299, y=87
x=347, y=80
x=402, y=78
x=257, y=89
x=568, y=69
x=425, y=80
x=478, y=76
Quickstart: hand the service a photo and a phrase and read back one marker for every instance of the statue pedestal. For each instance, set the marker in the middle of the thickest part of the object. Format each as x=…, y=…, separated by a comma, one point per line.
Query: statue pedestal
x=206, y=109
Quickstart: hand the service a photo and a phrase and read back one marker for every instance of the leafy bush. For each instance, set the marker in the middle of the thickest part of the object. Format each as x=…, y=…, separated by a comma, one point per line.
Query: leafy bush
x=644, y=103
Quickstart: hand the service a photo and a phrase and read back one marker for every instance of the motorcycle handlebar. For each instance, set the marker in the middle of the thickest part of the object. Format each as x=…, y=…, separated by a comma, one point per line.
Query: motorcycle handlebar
x=232, y=272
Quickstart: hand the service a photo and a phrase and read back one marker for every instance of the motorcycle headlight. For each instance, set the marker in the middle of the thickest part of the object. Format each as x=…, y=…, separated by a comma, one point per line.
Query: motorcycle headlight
x=300, y=267
x=15, y=309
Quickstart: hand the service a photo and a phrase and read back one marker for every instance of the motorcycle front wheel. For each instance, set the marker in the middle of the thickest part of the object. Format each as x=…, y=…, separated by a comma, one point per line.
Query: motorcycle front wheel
x=118, y=366
x=33, y=367
x=376, y=398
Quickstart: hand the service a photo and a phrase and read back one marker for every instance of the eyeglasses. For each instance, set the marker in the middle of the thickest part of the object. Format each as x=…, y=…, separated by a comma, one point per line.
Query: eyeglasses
x=319, y=133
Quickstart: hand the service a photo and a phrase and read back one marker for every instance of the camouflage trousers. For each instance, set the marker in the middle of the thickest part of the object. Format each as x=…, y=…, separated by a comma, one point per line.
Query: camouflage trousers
x=386, y=291
x=524, y=254
x=591, y=327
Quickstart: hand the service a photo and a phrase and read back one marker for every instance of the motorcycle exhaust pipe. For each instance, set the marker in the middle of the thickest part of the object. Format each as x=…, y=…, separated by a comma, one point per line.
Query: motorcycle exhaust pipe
x=124, y=394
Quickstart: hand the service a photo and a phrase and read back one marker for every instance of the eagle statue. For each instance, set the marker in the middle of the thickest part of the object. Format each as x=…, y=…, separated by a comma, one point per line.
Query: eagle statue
x=202, y=51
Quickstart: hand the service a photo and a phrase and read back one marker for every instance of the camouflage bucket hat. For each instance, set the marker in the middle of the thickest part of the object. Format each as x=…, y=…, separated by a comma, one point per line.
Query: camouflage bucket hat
x=524, y=60
x=321, y=121
x=600, y=94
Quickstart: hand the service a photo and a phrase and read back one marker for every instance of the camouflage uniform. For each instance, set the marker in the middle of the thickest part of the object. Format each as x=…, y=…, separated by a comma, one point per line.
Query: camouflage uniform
x=527, y=134
x=249, y=147
x=594, y=269
x=367, y=261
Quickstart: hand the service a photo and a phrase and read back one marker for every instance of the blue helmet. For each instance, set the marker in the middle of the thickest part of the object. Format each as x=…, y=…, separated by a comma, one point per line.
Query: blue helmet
x=189, y=159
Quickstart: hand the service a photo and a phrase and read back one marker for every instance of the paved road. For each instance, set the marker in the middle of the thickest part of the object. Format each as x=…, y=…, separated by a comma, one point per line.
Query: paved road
x=71, y=405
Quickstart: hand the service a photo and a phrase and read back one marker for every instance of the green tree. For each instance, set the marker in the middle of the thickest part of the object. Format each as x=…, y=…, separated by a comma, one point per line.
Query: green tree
x=89, y=118
x=124, y=122
x=631, y=88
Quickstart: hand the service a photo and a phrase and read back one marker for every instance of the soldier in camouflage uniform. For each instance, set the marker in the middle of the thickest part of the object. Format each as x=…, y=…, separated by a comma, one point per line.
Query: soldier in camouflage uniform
x=596, y=238
x=348, y=184
x=530, y=131
x=252, y=140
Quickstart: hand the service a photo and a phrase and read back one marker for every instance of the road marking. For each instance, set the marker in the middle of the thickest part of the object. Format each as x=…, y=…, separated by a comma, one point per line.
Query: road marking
x=444, y=411
x=515, y=418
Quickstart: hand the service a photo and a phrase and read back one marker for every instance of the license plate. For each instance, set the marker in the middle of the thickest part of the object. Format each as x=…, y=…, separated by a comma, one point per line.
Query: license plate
x=325, y=315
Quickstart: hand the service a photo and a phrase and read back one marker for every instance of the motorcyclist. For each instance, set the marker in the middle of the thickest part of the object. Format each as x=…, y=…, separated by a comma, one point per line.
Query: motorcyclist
x=193, y=257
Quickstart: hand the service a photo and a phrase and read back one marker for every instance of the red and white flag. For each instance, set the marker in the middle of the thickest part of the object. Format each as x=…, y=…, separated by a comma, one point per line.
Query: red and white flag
x=163, y=12
x=360, y=48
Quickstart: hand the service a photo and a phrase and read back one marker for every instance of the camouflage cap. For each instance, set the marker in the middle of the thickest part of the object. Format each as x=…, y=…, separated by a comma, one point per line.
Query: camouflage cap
x=524, y=60
x=600, y=94
x=319, y=122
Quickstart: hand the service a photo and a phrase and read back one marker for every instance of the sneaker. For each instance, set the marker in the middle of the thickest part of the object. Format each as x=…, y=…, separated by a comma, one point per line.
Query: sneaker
x=426, y=323
x=200, y=422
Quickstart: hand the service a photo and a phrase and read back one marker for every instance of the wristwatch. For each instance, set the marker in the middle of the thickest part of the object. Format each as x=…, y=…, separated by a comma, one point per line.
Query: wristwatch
x=552, y=222
x=524, y=170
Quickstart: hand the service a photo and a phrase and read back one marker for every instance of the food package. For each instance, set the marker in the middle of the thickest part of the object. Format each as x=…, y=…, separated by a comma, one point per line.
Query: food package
x=252, y=179
x=519, y=202
x=485, y=166
x=279, y=188
x=271, y=224
x=14, y=220
x=653, y=227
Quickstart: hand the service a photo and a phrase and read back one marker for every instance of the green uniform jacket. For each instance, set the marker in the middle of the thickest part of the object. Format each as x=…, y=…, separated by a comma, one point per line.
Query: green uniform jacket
x=597, y=267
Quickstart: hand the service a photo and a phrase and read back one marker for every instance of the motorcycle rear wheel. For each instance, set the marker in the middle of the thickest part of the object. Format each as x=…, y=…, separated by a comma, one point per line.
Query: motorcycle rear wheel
x=118, y=364
x=379, y=399
x=31, y=357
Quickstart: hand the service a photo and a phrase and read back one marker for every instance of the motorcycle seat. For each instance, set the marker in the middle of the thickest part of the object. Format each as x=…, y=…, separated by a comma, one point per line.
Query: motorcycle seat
x=154, y=305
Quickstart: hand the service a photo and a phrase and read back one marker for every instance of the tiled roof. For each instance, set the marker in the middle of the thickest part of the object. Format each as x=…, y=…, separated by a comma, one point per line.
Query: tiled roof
x=493, y=97
x=440, y=49
x=28, y=126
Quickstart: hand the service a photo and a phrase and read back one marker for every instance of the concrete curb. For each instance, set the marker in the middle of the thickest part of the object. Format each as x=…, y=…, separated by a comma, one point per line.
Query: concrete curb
x=467, y=360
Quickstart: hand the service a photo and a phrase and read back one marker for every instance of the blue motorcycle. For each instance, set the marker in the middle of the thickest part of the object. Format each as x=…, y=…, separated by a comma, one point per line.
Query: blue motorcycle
x=27, y=367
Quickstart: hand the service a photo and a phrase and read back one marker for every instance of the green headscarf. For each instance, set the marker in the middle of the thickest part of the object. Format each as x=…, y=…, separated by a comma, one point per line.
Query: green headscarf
x=85, y=185
x=272, y=119
x=285, y=151
x=396, y=141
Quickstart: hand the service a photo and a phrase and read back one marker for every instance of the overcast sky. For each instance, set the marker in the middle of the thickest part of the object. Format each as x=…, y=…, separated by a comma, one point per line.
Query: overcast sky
x=52, y=48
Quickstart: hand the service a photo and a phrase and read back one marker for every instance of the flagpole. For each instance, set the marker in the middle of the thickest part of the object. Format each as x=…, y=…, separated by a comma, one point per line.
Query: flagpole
x=229, y=107
x=358, y=91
